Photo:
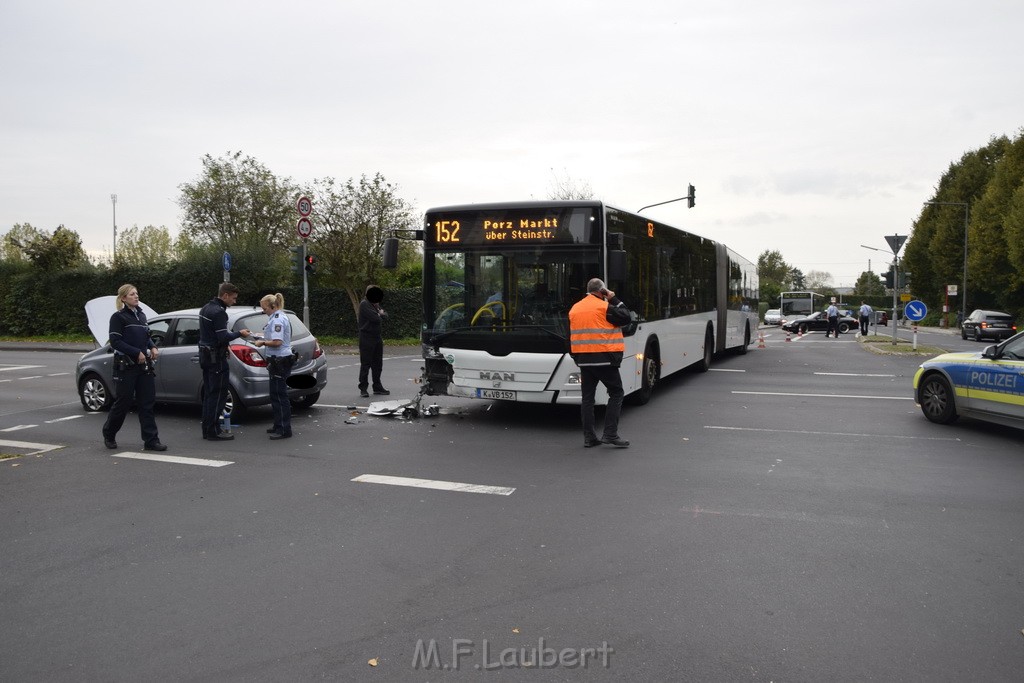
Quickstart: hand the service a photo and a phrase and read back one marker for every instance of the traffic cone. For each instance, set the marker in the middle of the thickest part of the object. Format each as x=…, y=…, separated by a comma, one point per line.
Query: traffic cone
x=787, y=336
x=760, y=341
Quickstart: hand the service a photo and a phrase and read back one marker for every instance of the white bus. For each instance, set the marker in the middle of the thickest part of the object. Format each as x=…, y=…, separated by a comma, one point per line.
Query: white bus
x=499, y=280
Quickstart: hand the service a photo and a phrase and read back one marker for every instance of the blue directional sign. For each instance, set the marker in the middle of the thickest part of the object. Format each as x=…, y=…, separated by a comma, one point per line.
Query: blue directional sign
x=227, y=261
x=915, y=310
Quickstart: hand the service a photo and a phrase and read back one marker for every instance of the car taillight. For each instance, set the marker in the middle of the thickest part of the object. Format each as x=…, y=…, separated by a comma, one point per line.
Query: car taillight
x=316, y=349
x=248, y=355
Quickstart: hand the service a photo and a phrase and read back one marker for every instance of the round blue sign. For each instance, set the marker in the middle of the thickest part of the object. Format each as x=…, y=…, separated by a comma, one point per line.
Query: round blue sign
x=915, y=310
x=227, y=261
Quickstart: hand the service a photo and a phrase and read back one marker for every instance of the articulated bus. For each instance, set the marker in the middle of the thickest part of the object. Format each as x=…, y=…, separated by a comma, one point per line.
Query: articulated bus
x=499, y=280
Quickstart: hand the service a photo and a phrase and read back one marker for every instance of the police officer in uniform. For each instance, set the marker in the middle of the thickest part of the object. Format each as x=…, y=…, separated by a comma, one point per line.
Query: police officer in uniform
x=596, y=344
x=277, y=340
x=214, y=338
x=135, y=356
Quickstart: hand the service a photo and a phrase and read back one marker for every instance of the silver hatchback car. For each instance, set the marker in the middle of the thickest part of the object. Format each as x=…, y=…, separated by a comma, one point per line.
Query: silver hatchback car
x=179, y=378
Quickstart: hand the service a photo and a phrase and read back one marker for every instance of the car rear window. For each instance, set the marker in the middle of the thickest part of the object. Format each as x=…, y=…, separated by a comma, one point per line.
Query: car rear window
x=257, y=321
x=999, y=318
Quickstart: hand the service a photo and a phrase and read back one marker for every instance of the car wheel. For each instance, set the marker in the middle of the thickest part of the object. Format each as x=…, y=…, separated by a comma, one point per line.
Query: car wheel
x=307, y=401
x=937, y=400
x=95, y=393
x=234, y=406
x=803, y=329
x=844, y=328
x=963, y=333
x=977, y=334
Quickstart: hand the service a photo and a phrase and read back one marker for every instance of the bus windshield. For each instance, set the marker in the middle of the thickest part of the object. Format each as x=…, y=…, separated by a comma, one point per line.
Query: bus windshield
x=482, y=293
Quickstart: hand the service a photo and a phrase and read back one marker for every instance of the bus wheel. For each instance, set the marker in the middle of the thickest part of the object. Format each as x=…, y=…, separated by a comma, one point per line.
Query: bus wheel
x=650, y=372
x=709, y=349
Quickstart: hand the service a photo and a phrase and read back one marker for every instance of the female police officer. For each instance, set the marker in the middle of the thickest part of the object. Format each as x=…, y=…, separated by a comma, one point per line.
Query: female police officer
x=277, y=339
x=134, y=358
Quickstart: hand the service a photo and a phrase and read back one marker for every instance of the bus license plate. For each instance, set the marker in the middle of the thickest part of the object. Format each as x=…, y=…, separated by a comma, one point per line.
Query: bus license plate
x=496, y=393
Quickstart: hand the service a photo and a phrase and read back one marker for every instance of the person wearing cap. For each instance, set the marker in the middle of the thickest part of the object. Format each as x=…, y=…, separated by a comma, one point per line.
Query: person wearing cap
x=371, y=341
x=833, y=321
x=596, y=345
x=214, y=337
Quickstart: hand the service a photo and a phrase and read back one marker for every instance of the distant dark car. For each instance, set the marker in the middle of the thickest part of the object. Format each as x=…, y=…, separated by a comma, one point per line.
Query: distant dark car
x=882, y=317
x=982, y=324
x=986, y=385
x=817, y=322
x=178, y=376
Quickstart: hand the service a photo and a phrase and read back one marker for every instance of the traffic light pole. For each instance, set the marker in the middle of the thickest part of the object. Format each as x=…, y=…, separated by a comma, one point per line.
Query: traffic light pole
x=895, y=282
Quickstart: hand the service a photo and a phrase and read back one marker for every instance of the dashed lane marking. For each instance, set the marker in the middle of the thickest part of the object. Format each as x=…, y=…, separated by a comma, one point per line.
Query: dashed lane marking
x=807, y=432
x=782, y=393
x=434, y=484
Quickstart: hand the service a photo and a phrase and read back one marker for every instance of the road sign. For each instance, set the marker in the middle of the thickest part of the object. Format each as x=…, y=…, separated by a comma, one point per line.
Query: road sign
x=304, y=227
x=895, y=242
x=304, y=206
x=951, y=290
x=226, y=261
x=915, y=310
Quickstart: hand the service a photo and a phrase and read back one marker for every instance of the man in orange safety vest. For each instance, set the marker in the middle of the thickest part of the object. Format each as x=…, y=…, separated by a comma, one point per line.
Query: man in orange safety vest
x=596, y=345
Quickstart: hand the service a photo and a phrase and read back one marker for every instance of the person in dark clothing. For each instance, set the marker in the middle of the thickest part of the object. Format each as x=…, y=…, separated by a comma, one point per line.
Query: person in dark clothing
x=214, y=338
x=596, y=344
x=135, y=357
x=371, y=341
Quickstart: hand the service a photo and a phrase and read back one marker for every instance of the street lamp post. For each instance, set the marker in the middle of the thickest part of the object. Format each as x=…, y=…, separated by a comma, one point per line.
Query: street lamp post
x=963, y=291
x=113, y=202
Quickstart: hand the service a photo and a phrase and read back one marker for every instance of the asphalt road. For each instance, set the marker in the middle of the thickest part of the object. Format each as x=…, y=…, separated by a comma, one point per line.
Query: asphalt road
x=788, y=516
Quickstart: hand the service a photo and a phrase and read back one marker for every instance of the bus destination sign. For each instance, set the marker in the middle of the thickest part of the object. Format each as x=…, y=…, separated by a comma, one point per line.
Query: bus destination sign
x=502, y=227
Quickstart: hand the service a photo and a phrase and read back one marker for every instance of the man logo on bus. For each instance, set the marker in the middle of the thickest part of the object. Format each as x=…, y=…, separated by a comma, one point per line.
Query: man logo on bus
x=498, y=376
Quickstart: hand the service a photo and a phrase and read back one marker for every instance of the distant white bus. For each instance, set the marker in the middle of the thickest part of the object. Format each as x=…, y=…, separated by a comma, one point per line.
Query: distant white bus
x=797, y=304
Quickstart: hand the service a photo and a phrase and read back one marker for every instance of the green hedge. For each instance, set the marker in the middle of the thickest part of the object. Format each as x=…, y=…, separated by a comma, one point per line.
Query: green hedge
x=54, y=303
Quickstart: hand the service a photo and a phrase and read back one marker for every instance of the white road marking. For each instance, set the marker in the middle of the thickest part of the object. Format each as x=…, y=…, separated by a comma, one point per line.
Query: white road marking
x=18, y=428
x=37, y=447
x=177, y=459
x=433, y=484
x=803, y=431
x=64, y=419
x=851, y=374
x=5, y=368
x=781, y=393
x=58, y=374
x=725, y=370
x=31, y=377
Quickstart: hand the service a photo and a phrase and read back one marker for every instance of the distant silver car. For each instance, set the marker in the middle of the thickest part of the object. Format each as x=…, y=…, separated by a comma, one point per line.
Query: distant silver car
x=773, y=316
x=179, y=378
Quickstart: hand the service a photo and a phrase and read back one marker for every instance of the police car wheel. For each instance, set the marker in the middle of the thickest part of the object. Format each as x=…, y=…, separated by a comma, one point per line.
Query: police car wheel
x=94, y=393
x=937, y=400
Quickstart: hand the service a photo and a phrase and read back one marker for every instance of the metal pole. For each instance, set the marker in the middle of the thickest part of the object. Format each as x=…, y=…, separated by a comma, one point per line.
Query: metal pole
x=963, y=299
x=895, y=286
x=113, y=201
x=305, y=287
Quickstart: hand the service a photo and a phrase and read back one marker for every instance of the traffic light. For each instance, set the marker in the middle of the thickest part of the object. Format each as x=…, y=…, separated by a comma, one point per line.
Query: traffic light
x=297, y=257
x=691, y=196
x=887, y=279
x=310, y=264
x=904, y=280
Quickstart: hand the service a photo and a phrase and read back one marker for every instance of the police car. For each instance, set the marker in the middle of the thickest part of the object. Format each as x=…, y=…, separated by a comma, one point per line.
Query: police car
x=987, y=385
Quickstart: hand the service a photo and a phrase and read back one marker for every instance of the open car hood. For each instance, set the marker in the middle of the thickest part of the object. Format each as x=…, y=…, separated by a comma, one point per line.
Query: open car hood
x=99, y=310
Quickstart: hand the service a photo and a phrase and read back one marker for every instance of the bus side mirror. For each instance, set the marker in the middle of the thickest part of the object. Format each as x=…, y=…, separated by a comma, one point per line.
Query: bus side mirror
x=634, y=322
x=616, y=264
x=391, y=252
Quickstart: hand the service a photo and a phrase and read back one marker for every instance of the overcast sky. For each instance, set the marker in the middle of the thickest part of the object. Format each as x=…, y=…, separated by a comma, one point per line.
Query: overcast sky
x=808, y=126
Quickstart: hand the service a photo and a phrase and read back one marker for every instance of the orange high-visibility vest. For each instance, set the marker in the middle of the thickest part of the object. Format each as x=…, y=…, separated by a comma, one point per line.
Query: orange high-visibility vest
x=590, y=331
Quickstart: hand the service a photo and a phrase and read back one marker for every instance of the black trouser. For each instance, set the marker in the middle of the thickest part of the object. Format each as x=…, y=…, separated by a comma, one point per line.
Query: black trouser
x=833, y=326
x=371, y=361
x=864, y=325
x=215, y=396
x=590, y=375
x=134, y=385
x=279, y=370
